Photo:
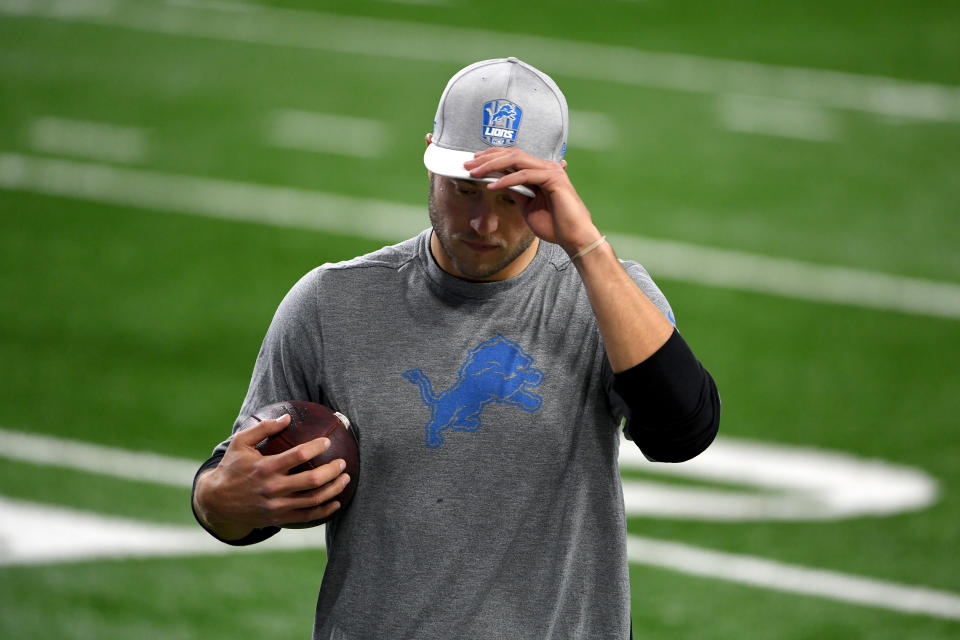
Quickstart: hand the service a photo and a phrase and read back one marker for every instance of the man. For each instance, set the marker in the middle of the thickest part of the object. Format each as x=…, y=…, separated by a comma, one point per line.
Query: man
x=486, y=365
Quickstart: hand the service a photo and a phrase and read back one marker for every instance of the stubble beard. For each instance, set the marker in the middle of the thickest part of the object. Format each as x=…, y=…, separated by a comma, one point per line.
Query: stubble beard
x=452, y=242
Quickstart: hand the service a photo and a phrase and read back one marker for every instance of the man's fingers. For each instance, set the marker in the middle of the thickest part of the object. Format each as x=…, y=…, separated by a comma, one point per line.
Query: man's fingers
x=316, y=496
x=495, y=160
x=304, y=483
x=308, y=480
x=524, y=176
x=312, y=478
x=252, y=436
x=520, y=169
x=295, y=456
x=304, y=506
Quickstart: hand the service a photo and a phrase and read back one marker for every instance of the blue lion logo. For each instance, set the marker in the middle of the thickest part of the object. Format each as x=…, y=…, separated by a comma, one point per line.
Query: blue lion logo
x=507, y=111
x=496, y=371
x=501, y=122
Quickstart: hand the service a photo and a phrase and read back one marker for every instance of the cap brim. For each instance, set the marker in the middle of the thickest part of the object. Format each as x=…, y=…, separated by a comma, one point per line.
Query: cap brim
x=449, y=163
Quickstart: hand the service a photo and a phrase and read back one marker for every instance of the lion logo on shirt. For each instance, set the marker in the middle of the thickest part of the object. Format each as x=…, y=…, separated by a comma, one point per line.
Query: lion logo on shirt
x=498, y=370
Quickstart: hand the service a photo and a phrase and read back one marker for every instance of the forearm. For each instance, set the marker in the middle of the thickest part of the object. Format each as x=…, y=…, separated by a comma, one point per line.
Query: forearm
x=674, y=406
x=632, y=327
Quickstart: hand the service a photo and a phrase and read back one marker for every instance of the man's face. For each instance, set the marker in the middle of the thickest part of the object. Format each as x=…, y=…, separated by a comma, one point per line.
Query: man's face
x=482, y=234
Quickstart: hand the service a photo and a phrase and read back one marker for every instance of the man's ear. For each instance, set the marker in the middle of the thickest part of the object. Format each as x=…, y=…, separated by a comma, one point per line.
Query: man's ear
x=429, y=139
x=563, y=163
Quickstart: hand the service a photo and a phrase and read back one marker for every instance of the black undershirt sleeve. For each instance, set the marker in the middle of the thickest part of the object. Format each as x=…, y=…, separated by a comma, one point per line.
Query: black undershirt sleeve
x=255, y=536
x=672, y=401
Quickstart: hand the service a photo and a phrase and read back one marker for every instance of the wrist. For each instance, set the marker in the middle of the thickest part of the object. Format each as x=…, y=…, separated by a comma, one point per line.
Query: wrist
x=574, y=238
x=199, y=498
x=222, y=529
x=588, y=248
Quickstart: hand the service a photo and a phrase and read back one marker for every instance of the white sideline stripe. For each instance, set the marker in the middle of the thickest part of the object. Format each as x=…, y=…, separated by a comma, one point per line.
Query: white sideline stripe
x=800, y=483
x=790, y=578
x=327, y=133
x=392, y=222
x=785, y=118
x=811, y=484
x=140, y=466
x=32, y=534
x=791, y=278
x=225, y=199
x=455, y=45
x=95, y=140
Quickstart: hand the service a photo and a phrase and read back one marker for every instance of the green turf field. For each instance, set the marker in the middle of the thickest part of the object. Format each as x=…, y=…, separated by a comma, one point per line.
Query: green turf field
x=133, y=300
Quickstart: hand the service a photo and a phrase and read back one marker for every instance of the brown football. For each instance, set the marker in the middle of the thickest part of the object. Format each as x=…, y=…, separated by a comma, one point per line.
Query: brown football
x=308, y=421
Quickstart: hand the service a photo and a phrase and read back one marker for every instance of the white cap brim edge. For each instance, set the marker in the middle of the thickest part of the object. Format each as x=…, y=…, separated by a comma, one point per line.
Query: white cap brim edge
x=449, y=163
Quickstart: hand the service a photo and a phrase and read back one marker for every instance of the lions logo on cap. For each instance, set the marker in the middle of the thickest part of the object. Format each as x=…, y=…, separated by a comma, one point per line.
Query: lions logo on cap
x=501, y=122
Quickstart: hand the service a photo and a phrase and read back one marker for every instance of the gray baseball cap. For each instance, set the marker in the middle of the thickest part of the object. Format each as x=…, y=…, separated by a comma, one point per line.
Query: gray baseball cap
x=502, y=102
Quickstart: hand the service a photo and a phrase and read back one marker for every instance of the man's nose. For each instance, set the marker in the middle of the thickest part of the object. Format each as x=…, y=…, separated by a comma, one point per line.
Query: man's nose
x=484, y=220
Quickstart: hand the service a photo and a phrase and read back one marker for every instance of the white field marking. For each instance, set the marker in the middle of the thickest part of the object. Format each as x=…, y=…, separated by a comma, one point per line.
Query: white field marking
x=810, y=484
x=773, y=117
x=393, y=222
x=591, y=130
x=791, y=578
x=95, y=140
x=140, y=466
x=224, y=199
x=454, y=45
x=791, y=278
x=327, y=133
x=31, y=533
x=803, y=484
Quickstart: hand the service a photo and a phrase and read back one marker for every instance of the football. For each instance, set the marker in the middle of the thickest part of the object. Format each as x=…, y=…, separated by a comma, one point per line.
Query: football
x=308, y=421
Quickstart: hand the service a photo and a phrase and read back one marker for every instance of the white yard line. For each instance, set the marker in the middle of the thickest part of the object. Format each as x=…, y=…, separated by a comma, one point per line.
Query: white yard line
x=327, y=133
x=793, y=483
x=790, y=578
x=94, y=140
x=791, y=278
x=802, y=483
x=225, y=199
x=140, y=466
x=31, y=533
x=456, y=45
x=391, y=222
x=772, y=117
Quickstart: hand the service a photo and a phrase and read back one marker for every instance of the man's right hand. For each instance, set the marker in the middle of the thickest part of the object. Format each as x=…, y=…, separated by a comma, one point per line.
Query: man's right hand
x=248, y=490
